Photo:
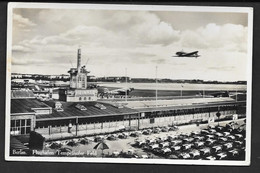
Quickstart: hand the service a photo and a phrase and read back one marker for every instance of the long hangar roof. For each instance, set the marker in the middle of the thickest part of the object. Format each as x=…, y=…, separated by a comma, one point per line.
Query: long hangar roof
x=69, y=109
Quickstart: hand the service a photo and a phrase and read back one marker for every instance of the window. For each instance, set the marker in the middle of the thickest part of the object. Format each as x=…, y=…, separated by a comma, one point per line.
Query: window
x=79, y=98
x=22, y=126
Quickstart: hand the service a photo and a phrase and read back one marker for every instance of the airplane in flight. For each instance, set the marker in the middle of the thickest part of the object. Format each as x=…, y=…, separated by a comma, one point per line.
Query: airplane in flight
x=119, y=91
x=189, y=55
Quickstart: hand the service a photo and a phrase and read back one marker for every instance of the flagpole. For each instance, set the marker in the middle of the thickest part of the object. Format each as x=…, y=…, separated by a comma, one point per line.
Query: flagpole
x=126, y=84
x=156, y=92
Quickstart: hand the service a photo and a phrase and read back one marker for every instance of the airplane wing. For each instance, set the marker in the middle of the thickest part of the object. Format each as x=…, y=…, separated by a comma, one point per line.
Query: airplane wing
x=191, y=54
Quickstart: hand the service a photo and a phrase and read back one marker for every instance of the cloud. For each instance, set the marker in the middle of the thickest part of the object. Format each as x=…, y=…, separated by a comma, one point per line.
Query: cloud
x=21, y=21
x=228, y=37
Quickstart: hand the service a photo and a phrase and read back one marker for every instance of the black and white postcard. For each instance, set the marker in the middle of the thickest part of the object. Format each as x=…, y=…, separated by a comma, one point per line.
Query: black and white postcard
x=149, y=84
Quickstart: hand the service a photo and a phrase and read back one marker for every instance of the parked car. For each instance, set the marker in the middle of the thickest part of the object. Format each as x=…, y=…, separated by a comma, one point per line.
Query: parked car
x=199, y=138
x=176, y=142
x=238, y=143
x=223, y=140
x=195, y=133
x=146, y=132
x=175, y=148
x=227, y=146
x=210, y=142
x=157, y=130
x=233, y=153
x=231, y=137
x=164, y=144
x=204, y=132
x=184, y=156
x=98, y=138
x=188, y=140
x=219, y=128
x=112, y=137
x=122, y=136
x=205, y=151
x=209, y=136
x=221, y=156
x=212, y=131
x=186, y=146
x=219, y=135
x=135, y=134
x=195, y=154
x=140, y=143
x=210, y=158
x=166, y=151
x=216, y=149
x=199, y=144
x=165, y=129
x=173, y=128
x=239, y=136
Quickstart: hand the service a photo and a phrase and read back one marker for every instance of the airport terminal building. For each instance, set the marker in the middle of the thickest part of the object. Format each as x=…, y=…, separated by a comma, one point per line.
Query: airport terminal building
x=78, y=112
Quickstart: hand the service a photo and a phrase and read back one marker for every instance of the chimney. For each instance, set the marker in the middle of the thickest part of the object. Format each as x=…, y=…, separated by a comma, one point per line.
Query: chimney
x=79, y=59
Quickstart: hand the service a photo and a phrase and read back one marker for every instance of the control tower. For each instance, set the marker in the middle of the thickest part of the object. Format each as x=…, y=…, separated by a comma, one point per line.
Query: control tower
x=78, y=76
x=78, y=91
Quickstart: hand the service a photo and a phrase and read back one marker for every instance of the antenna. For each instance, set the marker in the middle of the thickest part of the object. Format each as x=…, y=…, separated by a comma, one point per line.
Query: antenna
x=71, y=63
x=87, y=61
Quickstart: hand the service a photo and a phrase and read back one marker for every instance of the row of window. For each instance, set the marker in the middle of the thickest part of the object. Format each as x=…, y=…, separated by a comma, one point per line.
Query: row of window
x=20, y=127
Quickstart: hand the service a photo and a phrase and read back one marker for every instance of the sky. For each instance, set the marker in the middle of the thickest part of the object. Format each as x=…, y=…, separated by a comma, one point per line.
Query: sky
x=45, y=41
